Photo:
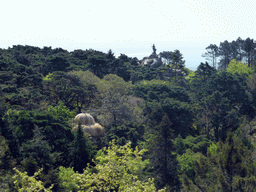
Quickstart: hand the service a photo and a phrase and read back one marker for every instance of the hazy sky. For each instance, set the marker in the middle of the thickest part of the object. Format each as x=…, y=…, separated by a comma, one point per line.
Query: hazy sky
x=129, y=27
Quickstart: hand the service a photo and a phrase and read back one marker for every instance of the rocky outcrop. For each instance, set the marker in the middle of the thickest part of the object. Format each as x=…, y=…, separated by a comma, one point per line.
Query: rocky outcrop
x=88, y=125
x=153, y=61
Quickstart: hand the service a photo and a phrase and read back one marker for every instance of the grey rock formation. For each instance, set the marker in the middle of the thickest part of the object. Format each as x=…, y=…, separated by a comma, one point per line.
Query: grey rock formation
x=153, y=61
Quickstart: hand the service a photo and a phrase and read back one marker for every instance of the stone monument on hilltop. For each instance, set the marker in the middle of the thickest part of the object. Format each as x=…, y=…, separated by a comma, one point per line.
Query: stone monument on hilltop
x=154, y=60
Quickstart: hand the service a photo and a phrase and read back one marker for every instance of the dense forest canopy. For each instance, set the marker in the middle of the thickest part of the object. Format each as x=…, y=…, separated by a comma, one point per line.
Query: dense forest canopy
x=166, y=128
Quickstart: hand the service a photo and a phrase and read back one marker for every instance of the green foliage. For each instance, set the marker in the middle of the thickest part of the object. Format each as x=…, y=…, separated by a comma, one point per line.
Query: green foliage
x=21, y=84
x=3, y=149
x=251, y=85
x=139, y=73
x=30, y=165
x=160, y=147
x=227, y=167
x=200, y=77
x=181, y=116
x=48, y=77
x=235, y=163
x=58, y=62
x=98, y=65
x=223, y=100
x=120, y=68
x=37, y=150
x=179, y=145
x=191, y=74
x=219, y=115
x=80, y=54
x=23, y=182
x=114, y=84
x=235, y=67
x=186, y=163
x=41, y=90
x=117, y=169
x=174, y=60
x=86, y=77
x=116, y=105
x=65, y=178
x=68, y=88
x=54, y=128
x=6, y=160
x=124, y=133
x=22, y=124
x=159, y=90
x=212, y=54
x=60, y=110
x=197, y=144
x=230, y=86
x=212, y=149
x=81, y=151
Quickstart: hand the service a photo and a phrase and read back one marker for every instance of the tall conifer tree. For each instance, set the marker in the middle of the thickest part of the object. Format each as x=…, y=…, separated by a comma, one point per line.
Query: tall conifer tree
x=163, y=160
x=81, y=154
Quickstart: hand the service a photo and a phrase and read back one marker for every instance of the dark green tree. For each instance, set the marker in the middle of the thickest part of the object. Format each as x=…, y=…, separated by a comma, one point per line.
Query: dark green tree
x=177, y=61
x=249, y=49
x=179, y=145
x=55, y=129
x=227, y=167
x=168, y=56
x=174, y=60
x=81, y=153
x=240, y=52
x=58, y=62
x=164, y=163
x=110, y=55
x=202, y=75
x=181, y=116
x=225, y=54
x=67, y=88
x=211, y=54
x=98, y=65
x=36, y=152
x=159, y=90
x=80, y=54
x=232, y=87
x=234, y=48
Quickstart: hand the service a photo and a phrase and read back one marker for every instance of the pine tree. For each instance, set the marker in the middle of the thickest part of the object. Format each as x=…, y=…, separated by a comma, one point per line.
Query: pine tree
x=81, y=154
x=163, y=160
x=36, y=153
x=230, y=167
x=236, y=170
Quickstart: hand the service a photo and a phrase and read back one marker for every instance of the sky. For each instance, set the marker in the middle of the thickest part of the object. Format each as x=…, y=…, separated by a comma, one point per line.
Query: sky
x=127, y=27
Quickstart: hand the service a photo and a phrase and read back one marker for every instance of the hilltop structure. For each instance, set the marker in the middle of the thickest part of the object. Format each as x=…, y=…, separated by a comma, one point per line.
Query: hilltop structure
x=154, y=60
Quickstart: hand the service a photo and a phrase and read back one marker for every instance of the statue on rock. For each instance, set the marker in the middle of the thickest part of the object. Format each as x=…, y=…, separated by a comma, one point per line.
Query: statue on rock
x=154, y=60
x=154, y=49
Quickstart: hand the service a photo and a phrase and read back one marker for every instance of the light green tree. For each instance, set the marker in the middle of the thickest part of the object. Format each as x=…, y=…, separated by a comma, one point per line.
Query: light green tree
x=66, y=181
x=239, y=68
x=117, y=169
x=23, y=182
